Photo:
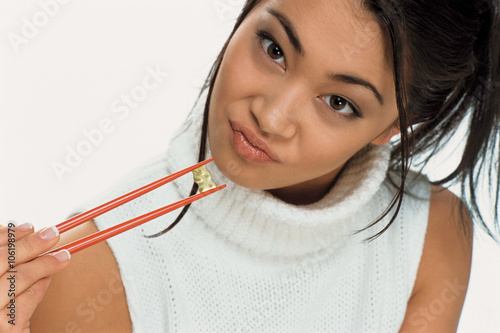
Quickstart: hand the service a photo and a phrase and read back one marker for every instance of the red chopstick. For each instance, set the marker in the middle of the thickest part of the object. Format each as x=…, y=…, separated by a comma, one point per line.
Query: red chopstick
x=117, y=229
x=85, y=216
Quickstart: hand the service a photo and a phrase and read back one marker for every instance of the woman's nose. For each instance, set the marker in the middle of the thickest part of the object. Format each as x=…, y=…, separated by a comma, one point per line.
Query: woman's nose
x=276, y=113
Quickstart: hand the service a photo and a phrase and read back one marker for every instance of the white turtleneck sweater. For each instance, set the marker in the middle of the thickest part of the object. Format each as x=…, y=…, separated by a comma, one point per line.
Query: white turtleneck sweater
x=243, y=261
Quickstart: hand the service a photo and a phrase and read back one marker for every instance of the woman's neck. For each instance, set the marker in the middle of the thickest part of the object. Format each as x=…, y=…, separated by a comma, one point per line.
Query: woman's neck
x=308, y=192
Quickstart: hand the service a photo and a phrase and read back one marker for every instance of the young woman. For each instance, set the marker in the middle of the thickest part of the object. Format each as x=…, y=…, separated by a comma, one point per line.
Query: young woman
x=323, y=227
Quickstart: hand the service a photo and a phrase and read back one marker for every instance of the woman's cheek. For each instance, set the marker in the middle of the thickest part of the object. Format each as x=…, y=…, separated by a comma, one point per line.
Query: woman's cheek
x=256, y=68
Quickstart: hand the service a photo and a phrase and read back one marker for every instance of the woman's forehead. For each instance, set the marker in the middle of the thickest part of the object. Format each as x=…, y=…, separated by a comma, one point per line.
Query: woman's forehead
x=340, y=21
x=323, y=12
x=333, y=33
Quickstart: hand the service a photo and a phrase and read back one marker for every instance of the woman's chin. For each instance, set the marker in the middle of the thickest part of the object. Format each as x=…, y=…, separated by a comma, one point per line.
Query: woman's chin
x=237, y=175
x=244, y=178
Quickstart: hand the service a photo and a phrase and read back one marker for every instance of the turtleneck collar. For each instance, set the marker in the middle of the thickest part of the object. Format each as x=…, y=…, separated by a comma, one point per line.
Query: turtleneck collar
x=257, y=222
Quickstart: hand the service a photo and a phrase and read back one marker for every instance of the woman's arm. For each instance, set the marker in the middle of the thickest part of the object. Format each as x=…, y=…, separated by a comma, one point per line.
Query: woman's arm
x=88, y=296
x=443, y=274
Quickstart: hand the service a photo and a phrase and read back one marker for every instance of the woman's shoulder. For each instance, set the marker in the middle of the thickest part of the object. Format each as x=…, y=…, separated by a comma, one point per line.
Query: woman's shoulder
x=86, y=296
x=444, y=269
x=449, y=234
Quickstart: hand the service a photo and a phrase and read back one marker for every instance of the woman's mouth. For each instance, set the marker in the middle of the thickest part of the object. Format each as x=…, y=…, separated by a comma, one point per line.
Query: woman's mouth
x=248, y=145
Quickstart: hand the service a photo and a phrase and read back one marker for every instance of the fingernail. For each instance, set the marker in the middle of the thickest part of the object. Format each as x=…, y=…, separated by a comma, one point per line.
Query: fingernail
x=25, y=227
x=49, y=233
x=62, y=255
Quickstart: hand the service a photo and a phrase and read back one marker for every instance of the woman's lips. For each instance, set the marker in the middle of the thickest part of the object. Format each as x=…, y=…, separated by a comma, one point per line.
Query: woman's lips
x=249, y=145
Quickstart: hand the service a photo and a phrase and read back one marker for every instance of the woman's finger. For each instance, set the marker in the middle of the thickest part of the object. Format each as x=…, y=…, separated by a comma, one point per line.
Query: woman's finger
x=15, y=282
x=10, y=230
x=27, y=248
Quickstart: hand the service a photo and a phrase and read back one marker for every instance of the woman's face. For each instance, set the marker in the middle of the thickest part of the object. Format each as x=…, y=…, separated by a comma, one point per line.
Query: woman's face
x=302, y=87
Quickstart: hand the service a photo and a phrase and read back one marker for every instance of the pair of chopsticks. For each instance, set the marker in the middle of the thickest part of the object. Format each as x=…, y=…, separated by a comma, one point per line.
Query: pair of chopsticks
x=117, y=229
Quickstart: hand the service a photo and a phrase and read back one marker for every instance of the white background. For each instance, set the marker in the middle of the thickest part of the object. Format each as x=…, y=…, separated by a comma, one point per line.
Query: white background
x=63, y=79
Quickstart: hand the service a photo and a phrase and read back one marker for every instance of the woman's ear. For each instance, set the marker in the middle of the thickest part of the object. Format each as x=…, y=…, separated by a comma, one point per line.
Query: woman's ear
x=387, y=135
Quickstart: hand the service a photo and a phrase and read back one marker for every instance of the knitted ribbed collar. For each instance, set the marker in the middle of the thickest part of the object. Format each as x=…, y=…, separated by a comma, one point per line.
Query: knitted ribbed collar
x=256, y=221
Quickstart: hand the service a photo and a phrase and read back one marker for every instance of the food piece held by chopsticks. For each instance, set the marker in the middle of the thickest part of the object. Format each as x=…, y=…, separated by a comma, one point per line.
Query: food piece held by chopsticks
x=203, y=178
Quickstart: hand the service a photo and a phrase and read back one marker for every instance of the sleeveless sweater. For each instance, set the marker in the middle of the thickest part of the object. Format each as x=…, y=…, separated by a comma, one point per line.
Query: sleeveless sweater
x=242, y=260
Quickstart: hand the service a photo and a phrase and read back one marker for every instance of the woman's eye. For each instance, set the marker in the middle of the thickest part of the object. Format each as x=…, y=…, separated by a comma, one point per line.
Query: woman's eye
x=271, y=48
x=341, y=105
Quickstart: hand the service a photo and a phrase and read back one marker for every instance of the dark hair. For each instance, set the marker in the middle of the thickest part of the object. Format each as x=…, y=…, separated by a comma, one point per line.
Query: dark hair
x=446, y=58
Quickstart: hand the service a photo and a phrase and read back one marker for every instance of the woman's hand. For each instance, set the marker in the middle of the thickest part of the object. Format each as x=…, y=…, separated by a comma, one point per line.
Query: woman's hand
x=24, y=278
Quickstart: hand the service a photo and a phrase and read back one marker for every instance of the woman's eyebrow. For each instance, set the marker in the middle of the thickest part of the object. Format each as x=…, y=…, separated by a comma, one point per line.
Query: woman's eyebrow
x=356, y=80
x=289, y=29
x=294, y=40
